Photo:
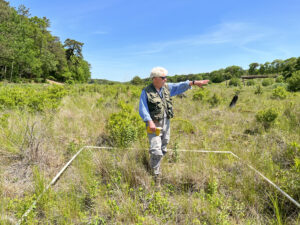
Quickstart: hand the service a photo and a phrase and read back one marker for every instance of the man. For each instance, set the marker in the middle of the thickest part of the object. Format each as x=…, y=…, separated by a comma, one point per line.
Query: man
x=156, y=109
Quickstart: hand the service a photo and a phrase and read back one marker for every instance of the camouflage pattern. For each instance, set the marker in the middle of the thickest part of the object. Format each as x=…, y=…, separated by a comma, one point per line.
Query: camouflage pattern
x=159, y=106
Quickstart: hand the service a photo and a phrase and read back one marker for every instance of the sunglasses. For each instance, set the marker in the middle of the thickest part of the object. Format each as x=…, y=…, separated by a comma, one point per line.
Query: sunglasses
x=163, y=78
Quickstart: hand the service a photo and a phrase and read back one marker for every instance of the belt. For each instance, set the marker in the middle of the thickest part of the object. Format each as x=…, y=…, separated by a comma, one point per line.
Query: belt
x=156, y=121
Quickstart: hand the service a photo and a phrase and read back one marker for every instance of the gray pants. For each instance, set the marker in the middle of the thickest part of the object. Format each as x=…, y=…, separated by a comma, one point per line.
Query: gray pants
x=158, y=144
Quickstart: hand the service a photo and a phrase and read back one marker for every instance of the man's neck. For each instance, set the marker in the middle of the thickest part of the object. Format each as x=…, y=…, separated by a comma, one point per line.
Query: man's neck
x=157, y=87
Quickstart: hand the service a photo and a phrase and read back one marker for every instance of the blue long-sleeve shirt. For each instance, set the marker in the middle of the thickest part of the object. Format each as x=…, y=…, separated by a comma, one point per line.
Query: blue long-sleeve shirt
x=175, y=89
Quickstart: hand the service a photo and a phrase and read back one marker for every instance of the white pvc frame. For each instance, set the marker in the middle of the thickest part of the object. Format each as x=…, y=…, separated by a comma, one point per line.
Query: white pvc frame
x=183, y=150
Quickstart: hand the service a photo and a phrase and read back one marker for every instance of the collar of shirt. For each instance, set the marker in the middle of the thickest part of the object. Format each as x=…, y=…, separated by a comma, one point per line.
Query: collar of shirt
x=160, y=92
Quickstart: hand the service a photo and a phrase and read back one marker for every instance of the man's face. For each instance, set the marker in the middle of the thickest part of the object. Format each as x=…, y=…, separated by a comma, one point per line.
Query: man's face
x=159, y=82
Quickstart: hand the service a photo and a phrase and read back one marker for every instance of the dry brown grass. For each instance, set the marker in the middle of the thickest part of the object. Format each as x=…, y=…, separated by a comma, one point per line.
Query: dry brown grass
x=54, y=82
x=97, y=176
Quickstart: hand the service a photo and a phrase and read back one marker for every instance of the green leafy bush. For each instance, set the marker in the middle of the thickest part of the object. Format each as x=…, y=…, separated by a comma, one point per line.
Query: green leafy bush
x=31, y=98
x=292, y=155
x=250, y=82
x=267, y=117
x=279, y=79
x=258, y=90
x=212, y=187
x=4, y=120
x=215, y=100
x=133, y=92
x=294, y=82
x=234, y=82
x=99, y=102
x=297, y=165
x=125, y=127
x=159, y=205
x=39, y=80
x=136, y=80
x=52, y=78
x=201, y=95
x=267, y=82
x=279, y=93
x=70, y=82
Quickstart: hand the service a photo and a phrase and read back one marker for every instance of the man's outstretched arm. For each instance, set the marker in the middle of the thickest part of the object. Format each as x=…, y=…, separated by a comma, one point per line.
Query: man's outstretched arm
x=199, y=83
x=178, y=88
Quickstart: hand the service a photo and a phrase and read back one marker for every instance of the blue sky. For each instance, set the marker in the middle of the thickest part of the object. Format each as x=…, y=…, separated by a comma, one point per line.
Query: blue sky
x=125, y=38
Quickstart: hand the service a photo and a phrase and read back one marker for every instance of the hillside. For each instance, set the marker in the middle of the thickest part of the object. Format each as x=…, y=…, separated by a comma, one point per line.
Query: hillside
x=42, y=127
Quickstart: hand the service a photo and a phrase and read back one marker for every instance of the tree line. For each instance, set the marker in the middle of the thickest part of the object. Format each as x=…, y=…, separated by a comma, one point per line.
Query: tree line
x=279, y=67
x=28, y=51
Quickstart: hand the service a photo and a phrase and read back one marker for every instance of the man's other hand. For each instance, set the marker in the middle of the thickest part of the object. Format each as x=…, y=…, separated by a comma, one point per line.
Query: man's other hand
x=151, y=125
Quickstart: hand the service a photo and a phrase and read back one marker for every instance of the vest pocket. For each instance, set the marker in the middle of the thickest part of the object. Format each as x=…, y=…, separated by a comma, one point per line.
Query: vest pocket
x=157, y=104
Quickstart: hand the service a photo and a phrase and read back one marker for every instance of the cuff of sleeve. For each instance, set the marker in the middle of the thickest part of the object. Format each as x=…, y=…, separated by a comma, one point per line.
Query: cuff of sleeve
x=188, y=83
x=147, y=119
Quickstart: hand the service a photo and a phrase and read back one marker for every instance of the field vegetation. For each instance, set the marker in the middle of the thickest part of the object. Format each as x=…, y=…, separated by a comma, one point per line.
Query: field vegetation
x=43, y=126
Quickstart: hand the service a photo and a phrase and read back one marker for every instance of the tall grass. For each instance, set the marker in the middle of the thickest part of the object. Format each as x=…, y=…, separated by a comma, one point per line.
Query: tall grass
x=116, y=186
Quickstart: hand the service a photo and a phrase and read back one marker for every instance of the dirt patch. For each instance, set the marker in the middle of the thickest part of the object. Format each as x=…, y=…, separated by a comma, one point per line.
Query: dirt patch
x=54, y=82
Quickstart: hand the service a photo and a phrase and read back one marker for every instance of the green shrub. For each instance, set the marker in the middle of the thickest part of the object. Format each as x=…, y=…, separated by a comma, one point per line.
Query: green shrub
x=159, y=205
x=215, y=100
x=71, y=82
x=52, y=78
x=136, y=80
x=212, y=187
x=201, y=95
x=39, y=80
x=267, y=82
x=294, y=81
x=125, y=127
x=258, y=90
x=4, y=120
x=100, y=102
x=20, y=205
x=292, y=155
x=297, y=165
x=250, y=82
x=279, y=79
x=134, y=92
x=31, y=98
x=234, y=82
x=279, y=93
x=267, y=117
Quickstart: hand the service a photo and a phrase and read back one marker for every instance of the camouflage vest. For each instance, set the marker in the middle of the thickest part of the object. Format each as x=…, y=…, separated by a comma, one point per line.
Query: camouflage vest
x=159, y=105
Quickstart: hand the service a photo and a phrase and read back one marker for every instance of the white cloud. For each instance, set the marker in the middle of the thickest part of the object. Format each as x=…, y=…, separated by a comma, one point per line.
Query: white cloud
x=255, y=51
x=235, y=33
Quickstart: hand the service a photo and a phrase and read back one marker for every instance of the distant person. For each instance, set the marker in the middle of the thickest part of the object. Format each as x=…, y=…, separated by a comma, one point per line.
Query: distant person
x=156, y=109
